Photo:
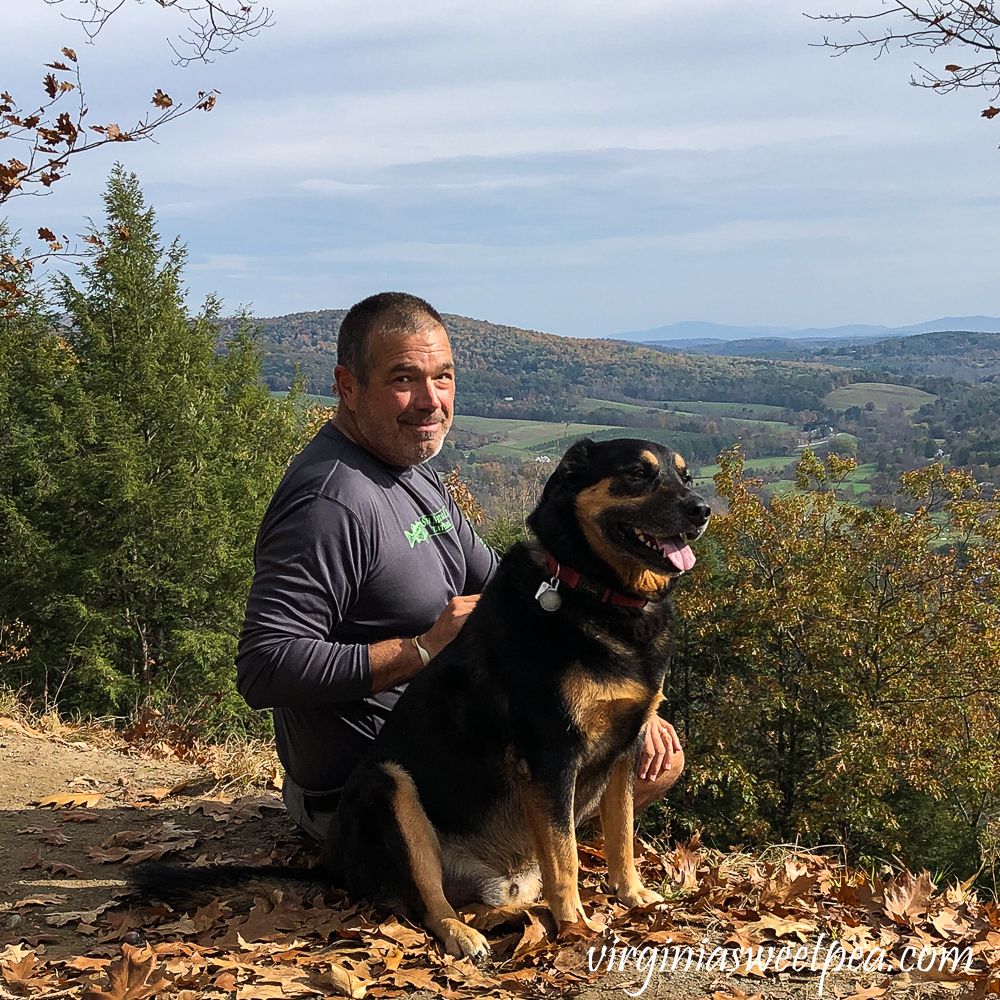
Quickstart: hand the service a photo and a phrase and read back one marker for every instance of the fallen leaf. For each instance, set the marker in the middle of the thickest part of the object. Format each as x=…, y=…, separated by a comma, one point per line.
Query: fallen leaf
x=129, y=977
x=68, y=800
x=868, y=992
x=341, y=982
x=49, y=834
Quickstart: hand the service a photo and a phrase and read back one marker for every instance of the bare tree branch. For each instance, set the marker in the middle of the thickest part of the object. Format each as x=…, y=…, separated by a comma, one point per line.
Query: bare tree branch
x=215, y=27
x=47, y=137
x=932, y=25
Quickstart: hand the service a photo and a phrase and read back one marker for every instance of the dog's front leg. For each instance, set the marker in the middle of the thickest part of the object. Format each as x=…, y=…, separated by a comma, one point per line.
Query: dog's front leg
x=550, y=827
x=617, y=814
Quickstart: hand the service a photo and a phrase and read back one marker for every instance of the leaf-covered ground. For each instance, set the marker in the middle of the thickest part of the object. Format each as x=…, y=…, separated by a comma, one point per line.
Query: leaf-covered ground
x=72, y=818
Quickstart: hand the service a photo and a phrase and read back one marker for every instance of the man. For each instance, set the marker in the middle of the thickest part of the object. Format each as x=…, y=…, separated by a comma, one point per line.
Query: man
x=365, y=568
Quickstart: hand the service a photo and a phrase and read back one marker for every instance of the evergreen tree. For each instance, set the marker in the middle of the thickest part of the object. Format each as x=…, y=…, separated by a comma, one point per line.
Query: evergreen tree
x=158, y=465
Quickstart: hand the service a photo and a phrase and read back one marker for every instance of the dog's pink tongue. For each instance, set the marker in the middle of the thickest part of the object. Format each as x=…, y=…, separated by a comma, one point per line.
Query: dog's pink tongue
x=679, y=554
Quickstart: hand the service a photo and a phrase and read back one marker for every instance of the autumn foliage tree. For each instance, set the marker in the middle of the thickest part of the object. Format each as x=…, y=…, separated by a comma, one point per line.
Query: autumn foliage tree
x=838, y=673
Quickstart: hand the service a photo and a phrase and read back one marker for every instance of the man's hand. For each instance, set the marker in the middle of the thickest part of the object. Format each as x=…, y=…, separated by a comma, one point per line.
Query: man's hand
x=658, y=749
x=449, y=623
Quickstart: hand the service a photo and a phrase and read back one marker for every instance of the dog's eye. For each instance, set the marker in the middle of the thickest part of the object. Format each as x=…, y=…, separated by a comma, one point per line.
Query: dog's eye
x=643, y=473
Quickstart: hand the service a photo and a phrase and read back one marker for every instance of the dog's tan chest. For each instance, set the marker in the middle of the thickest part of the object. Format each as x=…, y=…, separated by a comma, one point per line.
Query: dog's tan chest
x=597, y=705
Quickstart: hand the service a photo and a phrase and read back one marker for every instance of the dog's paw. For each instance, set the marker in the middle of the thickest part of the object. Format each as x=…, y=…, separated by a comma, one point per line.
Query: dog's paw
x=638, y=895
x=463, y=941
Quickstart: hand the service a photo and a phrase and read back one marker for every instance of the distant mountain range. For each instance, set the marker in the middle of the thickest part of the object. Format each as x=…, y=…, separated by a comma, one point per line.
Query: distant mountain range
x=699, y=334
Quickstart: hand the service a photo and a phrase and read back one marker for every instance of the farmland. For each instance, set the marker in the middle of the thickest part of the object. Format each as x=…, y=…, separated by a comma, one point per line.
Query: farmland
x=880, y=394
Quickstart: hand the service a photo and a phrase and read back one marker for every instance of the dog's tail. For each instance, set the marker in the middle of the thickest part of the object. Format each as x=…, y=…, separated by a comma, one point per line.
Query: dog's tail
x=184, y=887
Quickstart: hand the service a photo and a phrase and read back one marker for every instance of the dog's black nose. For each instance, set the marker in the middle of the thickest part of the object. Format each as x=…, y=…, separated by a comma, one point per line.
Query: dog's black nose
x=697, y=509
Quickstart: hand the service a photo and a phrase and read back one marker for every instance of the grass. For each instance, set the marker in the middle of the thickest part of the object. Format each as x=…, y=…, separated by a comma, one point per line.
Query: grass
x=881, y=394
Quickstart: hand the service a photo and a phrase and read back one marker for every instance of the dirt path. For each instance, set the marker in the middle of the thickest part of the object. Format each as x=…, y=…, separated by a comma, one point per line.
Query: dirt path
x=68, y=929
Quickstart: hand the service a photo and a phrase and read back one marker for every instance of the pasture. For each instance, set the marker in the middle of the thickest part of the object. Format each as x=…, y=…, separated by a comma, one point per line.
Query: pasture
x=880, y=394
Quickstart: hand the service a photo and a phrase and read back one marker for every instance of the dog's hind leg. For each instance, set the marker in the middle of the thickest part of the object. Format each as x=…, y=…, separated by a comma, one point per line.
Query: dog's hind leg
x=424, y=852
x=616, y=819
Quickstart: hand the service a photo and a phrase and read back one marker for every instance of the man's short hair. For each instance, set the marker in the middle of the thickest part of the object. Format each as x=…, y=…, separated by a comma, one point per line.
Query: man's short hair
x=385, y=313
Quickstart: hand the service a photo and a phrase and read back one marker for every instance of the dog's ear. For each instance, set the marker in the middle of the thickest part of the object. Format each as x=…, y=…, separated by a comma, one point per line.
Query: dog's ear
x=574, y=463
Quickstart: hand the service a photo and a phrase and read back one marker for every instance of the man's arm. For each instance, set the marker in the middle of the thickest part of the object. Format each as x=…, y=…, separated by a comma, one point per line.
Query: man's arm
x=392, y=661
x=310, y=565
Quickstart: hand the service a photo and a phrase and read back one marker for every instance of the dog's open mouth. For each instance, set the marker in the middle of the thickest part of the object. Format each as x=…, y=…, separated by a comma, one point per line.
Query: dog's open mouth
x=675, y=549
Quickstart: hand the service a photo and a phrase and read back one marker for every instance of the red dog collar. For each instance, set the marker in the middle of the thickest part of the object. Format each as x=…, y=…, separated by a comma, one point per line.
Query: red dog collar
x=575, y=580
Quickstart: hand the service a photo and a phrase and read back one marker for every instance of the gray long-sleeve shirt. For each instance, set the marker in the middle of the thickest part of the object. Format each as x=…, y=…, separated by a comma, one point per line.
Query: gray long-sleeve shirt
x=351, y=551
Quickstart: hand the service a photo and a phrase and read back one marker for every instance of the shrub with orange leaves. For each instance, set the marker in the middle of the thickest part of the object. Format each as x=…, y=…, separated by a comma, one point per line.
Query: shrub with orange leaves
x=838, y=669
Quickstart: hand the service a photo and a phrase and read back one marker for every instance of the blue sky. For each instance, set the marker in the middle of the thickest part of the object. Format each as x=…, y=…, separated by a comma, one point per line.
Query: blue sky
x=581, y=168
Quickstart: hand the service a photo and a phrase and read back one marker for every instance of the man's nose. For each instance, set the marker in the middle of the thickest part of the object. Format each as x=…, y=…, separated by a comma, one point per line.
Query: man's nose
x=427, y=395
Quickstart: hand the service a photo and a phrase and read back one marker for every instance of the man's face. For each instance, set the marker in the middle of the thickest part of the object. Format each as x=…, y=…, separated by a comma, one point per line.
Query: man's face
x=403, y=414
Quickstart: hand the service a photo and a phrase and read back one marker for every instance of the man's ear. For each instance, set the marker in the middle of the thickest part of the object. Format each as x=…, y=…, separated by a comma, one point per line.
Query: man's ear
x=347, y=386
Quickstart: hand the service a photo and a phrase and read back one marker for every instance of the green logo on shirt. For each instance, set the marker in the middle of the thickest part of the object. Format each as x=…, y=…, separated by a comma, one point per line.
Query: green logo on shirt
x=438, y=523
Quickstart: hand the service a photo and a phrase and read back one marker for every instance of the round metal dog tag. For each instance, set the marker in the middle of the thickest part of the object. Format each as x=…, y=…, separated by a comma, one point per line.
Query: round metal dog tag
x=550, y=600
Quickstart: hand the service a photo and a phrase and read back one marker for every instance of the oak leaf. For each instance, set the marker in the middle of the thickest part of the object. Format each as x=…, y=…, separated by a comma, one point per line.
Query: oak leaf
x=18, y=970
x=129, y=977
x=161, y=100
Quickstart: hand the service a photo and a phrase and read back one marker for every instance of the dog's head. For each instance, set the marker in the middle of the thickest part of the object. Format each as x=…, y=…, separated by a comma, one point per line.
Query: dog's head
x=622, y=512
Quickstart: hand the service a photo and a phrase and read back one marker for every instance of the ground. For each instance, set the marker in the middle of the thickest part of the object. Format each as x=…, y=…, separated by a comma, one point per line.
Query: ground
x=74, y=816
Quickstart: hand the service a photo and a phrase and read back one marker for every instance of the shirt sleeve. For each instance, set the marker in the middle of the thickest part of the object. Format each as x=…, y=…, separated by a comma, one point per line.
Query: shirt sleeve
x=480, y=560
x=310, y=565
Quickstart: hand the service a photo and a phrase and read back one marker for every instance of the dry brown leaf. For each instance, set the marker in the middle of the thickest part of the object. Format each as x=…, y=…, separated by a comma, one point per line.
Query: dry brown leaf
x=533, y=938
x=20, y=730
x=79, y=816
x=18, y=969
x=868, y=992
x=39, y=901
x=68, y=800
x=909, y=896
x=782, y=926
x=59, y=868
x=129, y=977
x=48, y=834
x=405, y=936
x=341, y=982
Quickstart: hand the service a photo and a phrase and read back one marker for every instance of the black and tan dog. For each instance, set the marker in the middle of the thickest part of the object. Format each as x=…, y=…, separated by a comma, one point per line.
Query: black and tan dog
x=531, y=719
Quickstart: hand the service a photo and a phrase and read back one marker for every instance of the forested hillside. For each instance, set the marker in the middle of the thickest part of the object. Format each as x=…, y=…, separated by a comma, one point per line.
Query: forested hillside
x=543, y=373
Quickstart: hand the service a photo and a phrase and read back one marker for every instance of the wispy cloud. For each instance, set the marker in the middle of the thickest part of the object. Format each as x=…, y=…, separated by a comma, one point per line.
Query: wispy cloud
x=577, y=166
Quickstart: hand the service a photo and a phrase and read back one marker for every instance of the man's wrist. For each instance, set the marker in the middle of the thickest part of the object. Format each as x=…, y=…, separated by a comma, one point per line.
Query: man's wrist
x=425, y=657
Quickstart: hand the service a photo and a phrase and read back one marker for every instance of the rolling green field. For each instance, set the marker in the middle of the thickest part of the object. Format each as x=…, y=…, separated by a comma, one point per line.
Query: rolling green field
x=759, y=412
x=308, y=397
x=879, y=393
x=521, y=438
